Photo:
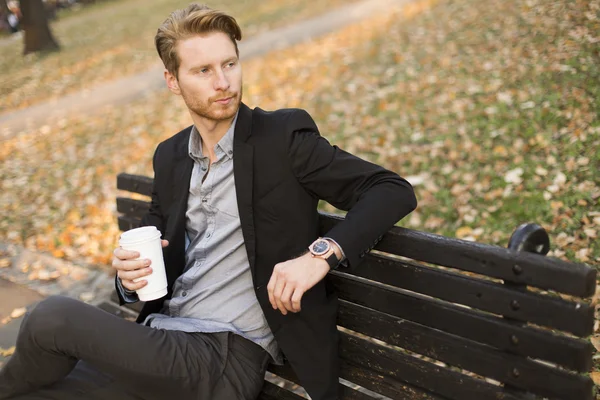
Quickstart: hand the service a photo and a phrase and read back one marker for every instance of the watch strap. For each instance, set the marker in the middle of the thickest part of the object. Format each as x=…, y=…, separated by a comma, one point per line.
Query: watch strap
x=333, y=261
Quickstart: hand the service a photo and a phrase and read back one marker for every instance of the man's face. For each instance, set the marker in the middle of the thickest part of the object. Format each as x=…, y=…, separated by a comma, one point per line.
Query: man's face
x=210, y=76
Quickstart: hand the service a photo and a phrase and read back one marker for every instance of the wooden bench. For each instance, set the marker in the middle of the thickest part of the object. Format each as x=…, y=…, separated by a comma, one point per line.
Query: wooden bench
x=429, y=317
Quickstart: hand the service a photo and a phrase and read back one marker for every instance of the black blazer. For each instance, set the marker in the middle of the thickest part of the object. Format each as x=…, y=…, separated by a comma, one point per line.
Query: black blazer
x=282, y=167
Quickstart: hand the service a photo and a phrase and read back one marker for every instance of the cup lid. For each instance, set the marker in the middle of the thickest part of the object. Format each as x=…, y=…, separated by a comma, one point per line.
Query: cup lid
x=139, y=234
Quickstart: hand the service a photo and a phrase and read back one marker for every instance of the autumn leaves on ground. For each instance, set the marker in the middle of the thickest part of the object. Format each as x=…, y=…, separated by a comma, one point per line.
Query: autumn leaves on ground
x=489, y=108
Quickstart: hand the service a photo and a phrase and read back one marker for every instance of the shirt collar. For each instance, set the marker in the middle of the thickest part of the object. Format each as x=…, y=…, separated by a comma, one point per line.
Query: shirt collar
x=224, y=146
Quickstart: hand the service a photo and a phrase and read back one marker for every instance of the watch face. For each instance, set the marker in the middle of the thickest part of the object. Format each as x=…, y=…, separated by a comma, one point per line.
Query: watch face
x=320, y=247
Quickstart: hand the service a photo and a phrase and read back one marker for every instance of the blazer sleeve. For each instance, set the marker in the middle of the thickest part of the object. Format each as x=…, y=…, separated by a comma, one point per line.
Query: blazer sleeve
x=374, y=197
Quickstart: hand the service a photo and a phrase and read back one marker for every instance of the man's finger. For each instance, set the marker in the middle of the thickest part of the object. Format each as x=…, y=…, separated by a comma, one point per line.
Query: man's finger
x=130, y=265
x=131, y=285
x=297, y=299
x=270, y=288
x=164, y=243
x=286, y=297
x=131, y=275
x=123, y=254
x=279, y=286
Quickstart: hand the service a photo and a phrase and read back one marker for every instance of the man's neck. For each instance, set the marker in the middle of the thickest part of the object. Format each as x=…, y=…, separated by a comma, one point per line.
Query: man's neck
x=211, y=132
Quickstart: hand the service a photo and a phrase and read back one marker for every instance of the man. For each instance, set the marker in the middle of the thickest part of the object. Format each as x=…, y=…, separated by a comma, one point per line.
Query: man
x=235, y=196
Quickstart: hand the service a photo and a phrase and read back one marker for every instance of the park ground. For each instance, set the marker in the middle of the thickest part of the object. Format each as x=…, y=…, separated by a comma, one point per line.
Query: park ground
x=490, y=109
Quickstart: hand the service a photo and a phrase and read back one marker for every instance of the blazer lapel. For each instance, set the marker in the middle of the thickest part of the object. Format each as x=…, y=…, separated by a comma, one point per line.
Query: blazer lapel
x=243, y=166
x=182, y=174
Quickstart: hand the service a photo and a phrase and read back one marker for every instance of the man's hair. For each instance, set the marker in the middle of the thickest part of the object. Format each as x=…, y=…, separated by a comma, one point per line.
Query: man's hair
x=192, y=21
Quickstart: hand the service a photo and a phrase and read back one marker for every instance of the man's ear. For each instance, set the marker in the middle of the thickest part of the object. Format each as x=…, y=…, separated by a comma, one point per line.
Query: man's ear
x=172, y=82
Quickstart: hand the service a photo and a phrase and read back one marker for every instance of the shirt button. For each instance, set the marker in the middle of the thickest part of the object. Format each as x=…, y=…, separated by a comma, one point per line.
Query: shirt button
x=184, y=294
x=203, y=168
x=204, y=200
x=208, y=235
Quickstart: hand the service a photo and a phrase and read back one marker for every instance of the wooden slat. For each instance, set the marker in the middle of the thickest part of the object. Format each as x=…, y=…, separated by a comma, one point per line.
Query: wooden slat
x=494, y=261
x=131, y=207
x=393, y=366
x=135, y=183
x=348, y=393
x=545, y=310
x=471, y=324
x=274, y=392
x=367, y=379
x=519, y=372
x=127, y=223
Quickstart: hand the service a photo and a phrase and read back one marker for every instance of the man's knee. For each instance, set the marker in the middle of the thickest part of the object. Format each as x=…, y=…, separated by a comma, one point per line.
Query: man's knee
x=47, y=318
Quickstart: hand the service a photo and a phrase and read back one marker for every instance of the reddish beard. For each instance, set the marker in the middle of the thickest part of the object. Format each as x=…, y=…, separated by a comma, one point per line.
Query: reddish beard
x=206, y=110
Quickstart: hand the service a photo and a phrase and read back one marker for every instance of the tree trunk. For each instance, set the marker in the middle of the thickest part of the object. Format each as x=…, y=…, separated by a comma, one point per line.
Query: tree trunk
x=35, y=24
x=4, y=7
x=4, y=11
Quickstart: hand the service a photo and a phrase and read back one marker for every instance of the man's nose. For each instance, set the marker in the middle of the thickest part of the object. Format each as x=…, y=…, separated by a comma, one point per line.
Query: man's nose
x=221, y=81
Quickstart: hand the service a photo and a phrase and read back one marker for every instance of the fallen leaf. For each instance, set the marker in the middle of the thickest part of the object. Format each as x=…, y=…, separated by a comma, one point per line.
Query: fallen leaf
x=514, y=176
x=5, y=263
x=463, y=232
x=18, y=312
x=596, y=342
x=595, y=377
x=7, y=352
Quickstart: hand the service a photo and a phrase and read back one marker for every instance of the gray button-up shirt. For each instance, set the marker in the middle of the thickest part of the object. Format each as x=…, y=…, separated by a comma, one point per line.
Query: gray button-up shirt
x=215, y=292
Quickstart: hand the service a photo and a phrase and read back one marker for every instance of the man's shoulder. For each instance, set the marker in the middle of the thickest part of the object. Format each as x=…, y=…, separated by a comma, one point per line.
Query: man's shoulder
x=178, y=139
x=294, y=118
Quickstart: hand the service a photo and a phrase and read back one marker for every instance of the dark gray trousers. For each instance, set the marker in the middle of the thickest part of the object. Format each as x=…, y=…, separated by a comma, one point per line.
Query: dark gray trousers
x=67, y=349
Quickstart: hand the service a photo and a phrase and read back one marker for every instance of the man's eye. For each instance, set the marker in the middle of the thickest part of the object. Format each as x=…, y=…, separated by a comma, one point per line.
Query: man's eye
x=204, y=70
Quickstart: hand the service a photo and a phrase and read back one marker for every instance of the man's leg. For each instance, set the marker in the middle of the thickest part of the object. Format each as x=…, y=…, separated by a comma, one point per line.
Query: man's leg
x=84, y=382
x=244, y=371
x=60, y=331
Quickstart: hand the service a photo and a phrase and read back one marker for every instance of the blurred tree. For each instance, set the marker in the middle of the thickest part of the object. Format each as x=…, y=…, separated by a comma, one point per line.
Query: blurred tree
x=4, y=11
x=37, y=31
x=4, y=7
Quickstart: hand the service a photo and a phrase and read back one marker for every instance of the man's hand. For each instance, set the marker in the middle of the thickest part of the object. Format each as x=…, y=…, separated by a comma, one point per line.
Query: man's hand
x=128, y=268
x=291, y=279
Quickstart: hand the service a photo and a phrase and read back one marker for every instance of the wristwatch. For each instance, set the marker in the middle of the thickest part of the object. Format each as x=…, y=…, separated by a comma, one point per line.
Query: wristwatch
x=320, y=248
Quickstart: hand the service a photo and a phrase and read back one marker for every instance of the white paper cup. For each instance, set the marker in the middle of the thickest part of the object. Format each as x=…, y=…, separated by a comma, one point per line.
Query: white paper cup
x=146, y=241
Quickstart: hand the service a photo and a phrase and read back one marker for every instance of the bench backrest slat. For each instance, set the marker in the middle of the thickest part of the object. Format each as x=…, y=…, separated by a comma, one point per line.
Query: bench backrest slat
x=273, y=392
x=360, y=356
x=135, y=184
x=493, y=261
x=554, y=312
x=132, y=207
x=367, y=379
x=470, y=324
x=460, y=352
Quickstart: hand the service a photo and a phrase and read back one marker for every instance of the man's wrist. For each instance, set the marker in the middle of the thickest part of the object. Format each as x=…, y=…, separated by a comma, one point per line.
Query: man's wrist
x=322, y=262
x=328, y=250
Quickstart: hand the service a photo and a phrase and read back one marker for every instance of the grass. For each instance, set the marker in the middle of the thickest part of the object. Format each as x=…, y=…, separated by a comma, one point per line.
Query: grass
x=111, y=39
